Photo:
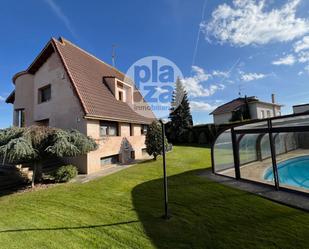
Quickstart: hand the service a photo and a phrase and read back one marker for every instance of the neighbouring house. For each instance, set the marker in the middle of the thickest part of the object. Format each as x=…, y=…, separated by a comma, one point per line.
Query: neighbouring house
x=66, y=87
x=257, y=109
x=304, y=108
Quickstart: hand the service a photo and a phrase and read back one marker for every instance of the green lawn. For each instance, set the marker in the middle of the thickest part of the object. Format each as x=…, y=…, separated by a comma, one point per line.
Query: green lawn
x=123, y=211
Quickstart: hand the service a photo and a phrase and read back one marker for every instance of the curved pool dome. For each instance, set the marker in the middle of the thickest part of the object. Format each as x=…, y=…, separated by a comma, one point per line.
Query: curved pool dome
x=255, y=151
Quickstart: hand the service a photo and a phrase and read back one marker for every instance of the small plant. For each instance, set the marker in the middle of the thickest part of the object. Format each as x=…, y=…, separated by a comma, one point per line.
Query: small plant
x=65, y=173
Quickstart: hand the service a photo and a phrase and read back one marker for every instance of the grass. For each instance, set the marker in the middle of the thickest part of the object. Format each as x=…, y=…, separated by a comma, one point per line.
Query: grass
x=123, y=211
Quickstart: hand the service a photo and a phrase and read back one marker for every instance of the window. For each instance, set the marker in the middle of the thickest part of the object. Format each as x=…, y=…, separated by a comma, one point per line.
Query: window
x=114, y=159
x=144, y=129
x=120, y=95
x=20, y=117
x=144, y=152
x=44, y=122
x=108, y=128
x=268, y=114
x=44, y=94
x=132, y=154
x=262, y=114
x=131, y=130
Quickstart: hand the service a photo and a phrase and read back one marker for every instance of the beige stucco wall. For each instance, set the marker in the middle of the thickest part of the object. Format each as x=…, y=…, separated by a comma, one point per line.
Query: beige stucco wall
x=63, y=110
x=24, y=98
x=114, y=145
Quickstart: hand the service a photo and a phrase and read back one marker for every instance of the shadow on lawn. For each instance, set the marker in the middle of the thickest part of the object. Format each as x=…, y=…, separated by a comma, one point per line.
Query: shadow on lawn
x=206, y=214
x=67, y=228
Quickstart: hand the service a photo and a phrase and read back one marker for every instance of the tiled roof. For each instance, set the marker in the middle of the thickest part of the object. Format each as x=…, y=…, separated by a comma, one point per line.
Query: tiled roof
x=86, y=73
x=233, y=105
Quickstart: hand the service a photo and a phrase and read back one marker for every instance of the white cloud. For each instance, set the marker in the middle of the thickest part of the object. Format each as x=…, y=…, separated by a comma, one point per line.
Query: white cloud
x=220, y=74
x=194, y=84
x=287, y=60
x=251, y=76
x=249, y=22
x=60, y=14
x=201, y=106
x=300, y=73
x=302, y=44
x=2, y=98
x=307, y=69
x=303, y=56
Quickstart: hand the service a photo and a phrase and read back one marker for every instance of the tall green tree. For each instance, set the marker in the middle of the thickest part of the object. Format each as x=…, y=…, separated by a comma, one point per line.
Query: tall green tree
x=154, y=145
x=37, y=144
x=180, y=114
x=242, y=113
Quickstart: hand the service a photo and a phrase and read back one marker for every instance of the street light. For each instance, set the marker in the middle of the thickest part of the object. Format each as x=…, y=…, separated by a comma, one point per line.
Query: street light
x=166, y=213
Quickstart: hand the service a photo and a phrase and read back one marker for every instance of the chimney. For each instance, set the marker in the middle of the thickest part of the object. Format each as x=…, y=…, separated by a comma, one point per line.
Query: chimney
x=273, y=100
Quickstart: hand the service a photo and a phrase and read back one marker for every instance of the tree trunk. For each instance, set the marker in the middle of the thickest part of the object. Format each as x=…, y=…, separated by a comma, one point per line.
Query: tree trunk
x=34, y=173
x=37, y=173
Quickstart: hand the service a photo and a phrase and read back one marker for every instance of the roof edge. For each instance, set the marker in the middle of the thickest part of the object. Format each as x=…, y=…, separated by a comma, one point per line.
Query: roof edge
x=54, y=43
x=95, y=117
x=19, y=74
x=10, y=99
x=63, y=41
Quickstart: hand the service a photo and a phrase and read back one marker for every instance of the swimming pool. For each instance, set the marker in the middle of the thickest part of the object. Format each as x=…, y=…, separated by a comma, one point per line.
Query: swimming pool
x=293, y=172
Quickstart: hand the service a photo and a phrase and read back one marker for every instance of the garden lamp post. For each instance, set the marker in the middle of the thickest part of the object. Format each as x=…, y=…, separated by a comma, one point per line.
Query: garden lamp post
x=166, y=213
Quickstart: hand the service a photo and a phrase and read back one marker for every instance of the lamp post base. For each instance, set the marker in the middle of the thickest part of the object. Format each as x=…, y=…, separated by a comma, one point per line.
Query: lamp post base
x=166, y=216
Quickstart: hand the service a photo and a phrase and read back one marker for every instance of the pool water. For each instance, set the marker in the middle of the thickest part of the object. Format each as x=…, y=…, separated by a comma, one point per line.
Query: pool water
x=293, y=172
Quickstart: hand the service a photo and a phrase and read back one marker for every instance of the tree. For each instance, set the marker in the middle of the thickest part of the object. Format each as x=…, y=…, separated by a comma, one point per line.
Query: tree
x=36, y=144
x=242, y=113
x=154, y=140
x=180, y=115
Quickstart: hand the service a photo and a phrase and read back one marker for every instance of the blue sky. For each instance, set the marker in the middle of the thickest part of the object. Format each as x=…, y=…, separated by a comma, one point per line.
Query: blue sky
x=260, y=47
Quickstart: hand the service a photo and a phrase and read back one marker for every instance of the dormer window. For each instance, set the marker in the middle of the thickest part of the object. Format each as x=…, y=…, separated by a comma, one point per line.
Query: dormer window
x=120, y=95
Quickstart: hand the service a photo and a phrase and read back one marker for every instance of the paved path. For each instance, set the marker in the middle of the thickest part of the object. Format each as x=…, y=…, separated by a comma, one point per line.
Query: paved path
x=295, y=200
x=83, y=178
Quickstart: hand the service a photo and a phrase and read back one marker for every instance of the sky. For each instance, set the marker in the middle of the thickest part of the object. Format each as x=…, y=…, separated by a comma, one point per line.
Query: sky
x=223, y=48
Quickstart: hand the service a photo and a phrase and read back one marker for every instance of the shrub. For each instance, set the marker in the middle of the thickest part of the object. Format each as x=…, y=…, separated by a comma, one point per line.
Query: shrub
x=154, y=140
x=202, y=139
x=65, y=173
x=191, y=137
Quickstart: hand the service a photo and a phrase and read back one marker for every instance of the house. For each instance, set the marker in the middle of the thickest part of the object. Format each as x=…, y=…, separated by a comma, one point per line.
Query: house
x=257, y=109
x=66, y=87
x=304, y=108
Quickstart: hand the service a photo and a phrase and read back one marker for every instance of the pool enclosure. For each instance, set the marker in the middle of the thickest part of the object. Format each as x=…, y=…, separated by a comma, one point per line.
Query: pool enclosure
x=272, y=151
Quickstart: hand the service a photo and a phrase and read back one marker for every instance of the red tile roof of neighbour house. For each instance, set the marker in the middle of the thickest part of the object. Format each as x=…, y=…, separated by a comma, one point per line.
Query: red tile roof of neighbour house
x=237, y=103
x=86, y=73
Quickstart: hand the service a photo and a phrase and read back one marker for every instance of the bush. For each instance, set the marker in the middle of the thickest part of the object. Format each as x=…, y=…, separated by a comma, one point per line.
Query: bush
x=202, y=139
x=154, y=140
x=65, y=173
x=191, y=137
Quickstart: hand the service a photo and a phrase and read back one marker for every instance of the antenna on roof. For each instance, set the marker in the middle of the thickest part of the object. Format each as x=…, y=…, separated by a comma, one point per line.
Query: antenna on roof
x=113, y=55
x=239, y=90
